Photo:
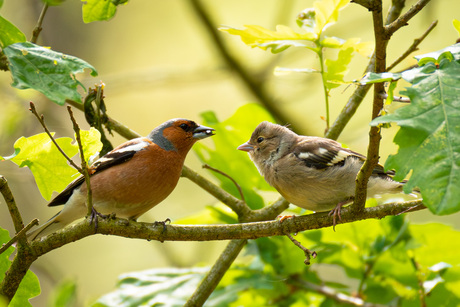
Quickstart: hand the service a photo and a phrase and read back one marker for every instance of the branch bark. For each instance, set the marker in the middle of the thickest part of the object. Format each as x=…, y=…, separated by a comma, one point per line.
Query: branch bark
x=374, y=132
x=252, y=230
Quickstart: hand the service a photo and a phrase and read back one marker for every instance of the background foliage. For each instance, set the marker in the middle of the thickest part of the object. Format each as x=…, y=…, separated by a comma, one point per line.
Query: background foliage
x=407, y=263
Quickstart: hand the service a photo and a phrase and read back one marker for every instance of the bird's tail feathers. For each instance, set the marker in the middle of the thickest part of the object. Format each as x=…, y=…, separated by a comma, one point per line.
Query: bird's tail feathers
x=50, y=226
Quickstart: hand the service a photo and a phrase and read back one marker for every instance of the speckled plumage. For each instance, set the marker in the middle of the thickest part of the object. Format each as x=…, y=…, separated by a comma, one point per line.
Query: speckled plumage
x=311, y=172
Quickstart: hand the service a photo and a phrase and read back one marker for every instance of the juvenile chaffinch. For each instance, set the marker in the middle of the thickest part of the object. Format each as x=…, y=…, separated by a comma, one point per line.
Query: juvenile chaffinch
x=132, y=178
x=314, y=173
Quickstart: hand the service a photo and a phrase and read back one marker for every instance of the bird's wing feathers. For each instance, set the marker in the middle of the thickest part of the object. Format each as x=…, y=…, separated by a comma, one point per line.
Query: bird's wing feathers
x=321, y=153
x=119, y=155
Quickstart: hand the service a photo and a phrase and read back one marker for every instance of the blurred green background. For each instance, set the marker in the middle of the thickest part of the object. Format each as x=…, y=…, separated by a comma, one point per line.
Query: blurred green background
x=158, y=62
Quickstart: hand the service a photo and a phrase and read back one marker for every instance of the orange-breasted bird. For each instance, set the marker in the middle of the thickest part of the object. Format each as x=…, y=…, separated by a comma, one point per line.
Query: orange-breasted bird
x=132, y=178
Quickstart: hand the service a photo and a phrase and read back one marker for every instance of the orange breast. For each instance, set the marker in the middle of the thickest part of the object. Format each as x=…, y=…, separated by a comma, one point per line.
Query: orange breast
x=132, y=188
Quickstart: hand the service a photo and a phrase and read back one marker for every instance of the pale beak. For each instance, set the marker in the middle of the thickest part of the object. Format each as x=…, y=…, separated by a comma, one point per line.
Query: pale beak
x=246, y=147
x=202, y=132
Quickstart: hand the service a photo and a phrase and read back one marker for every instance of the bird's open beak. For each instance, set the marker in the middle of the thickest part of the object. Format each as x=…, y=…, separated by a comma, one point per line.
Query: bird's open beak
x=202, y=132
x=246, y=147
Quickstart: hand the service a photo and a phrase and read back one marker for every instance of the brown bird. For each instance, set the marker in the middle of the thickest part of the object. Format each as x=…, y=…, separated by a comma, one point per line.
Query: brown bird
x=314, y=173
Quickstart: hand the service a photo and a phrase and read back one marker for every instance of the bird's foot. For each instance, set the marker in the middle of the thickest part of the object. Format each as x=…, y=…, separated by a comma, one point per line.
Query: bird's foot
x=336, y=212
x=95, y=215
x=163, y=223
x=282, y=218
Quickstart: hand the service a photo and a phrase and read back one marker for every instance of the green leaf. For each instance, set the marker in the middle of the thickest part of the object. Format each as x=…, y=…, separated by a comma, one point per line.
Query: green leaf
x=98, y=10
x=233, y=132
x=429, y=138
x=332, y=42
x=49, y=72
x=9, y=34
x=49, y=167
x=156, y=287
x=277, y=41
x=64, y=295
x=336, y=69
x=327, y=13
x=456, y=24
x=91, y=143
x=437, y=56
x=29, y=286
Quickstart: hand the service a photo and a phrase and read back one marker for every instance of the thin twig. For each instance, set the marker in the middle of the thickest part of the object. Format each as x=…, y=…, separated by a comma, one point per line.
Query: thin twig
x=333, y=294
x=84, y=165
x=38, y=27
x=111, y=123
x=41, y=119
x=308, y=253
x=238, y=206
x=413, y=47
x=228, y=176
x=384, y=95
x=21, y=233
x=421, y=288
x=360, y=92
x=404, y=19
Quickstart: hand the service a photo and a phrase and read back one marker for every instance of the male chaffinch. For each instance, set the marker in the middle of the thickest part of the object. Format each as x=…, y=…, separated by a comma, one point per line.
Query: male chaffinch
x=314, y=173
x=132, y=178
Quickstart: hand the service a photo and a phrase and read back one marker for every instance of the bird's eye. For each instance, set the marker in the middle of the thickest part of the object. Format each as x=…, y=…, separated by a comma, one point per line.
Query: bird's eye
x=185, y=127
x=260, y=139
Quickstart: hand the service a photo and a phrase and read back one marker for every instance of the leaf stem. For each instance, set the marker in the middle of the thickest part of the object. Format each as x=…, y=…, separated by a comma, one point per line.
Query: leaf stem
x=324, y=80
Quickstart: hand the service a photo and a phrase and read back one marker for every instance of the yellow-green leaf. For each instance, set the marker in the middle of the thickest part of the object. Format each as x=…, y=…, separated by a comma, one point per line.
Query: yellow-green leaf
x=327, y=13
x=91, y=143
x=49, y=167
x=456, y=25
x=10, y=34
x=97, y=10
x=282, y=38
x=363, y=48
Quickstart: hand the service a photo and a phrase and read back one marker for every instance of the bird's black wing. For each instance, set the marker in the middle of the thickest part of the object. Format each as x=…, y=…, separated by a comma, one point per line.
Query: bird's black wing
x=119, y=155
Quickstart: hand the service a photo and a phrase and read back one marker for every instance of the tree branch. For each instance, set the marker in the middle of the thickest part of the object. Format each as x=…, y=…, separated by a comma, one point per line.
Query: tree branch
x=404, y=19
x=361, y=91
x=374, y=133
x=151, y=231
x=11, y=203
x=214, y=276
x=413, y=47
